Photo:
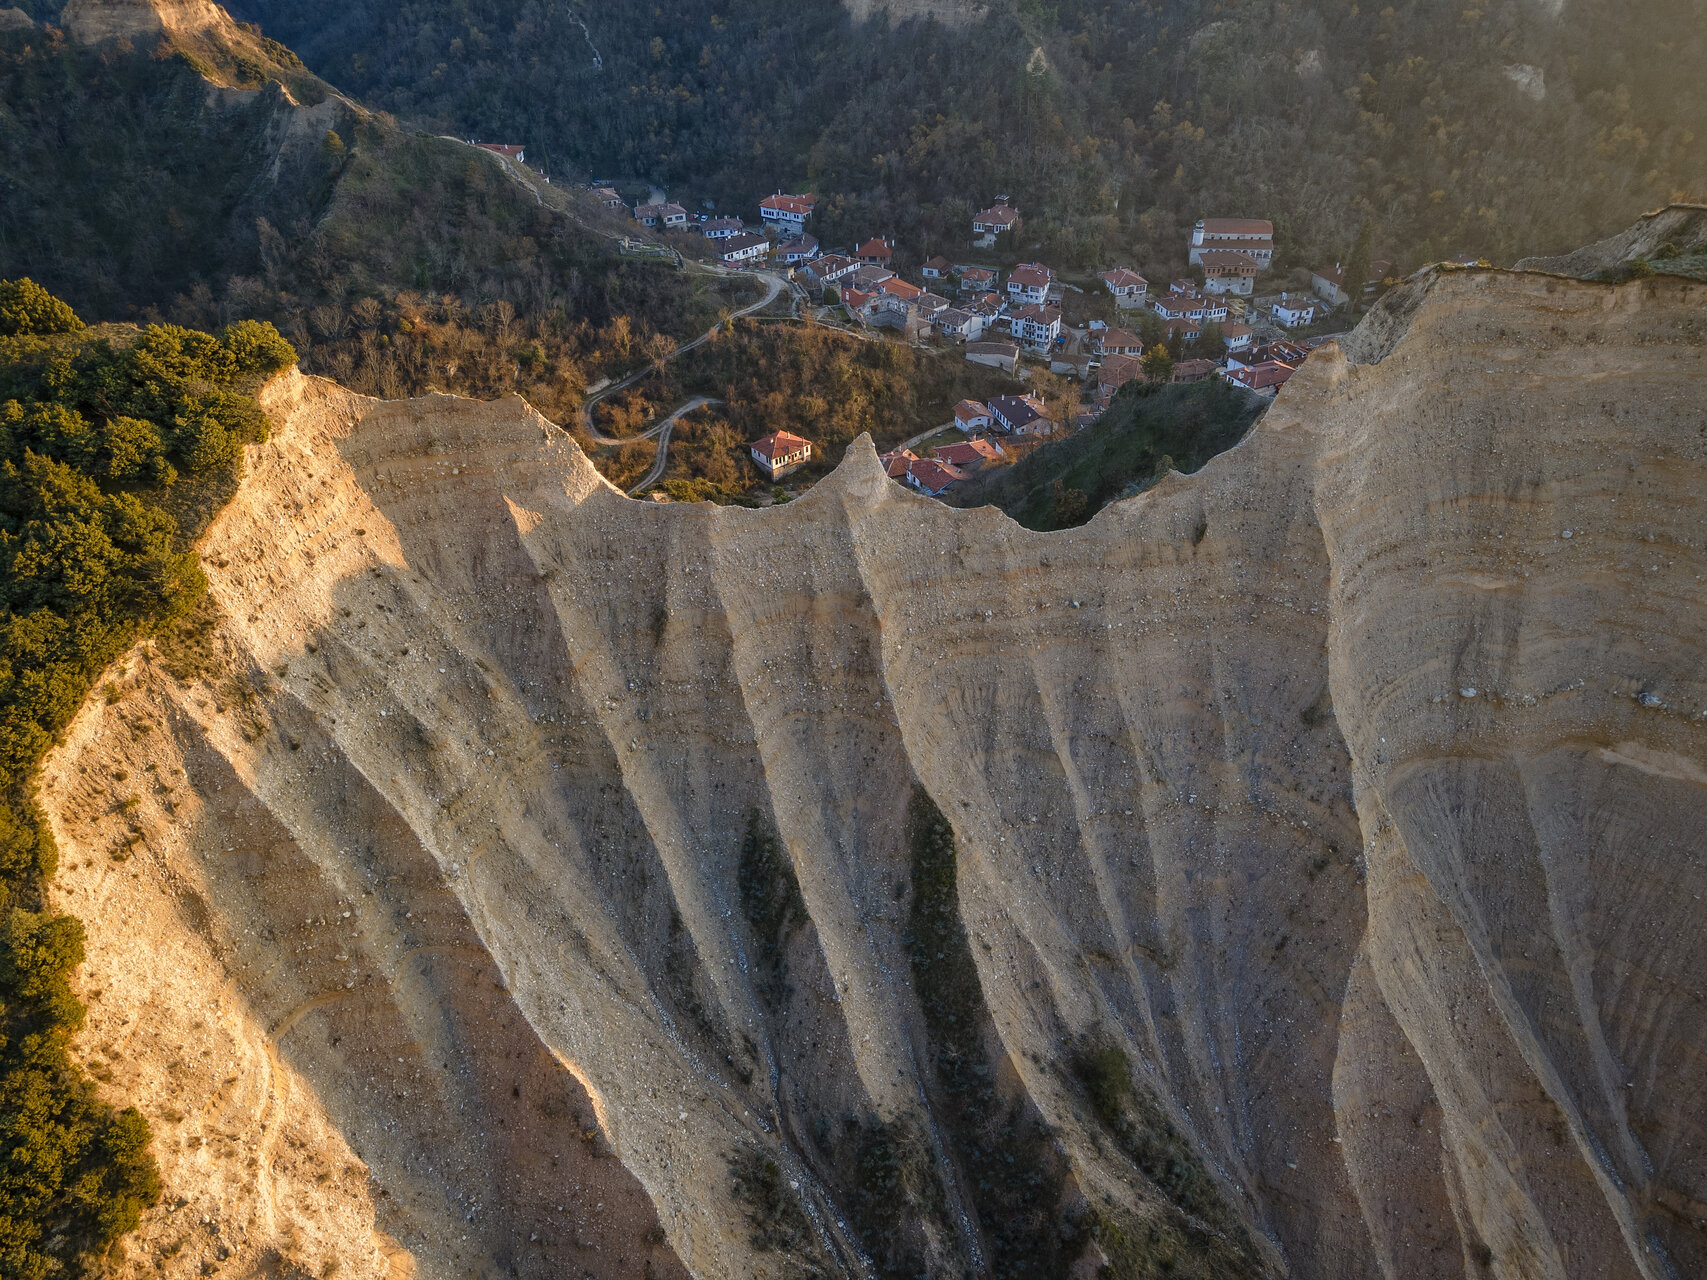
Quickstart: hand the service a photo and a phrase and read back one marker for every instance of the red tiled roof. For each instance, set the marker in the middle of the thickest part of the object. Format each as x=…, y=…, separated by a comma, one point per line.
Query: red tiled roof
x=1238, y=227
x=966, y=452
x=508, y=152
x=1113, y=339
x=934, y=476
x=800, y=206
x=899, y=288
x=999, y=214
x=937, y=264
x=779, y=444
x=875, y=247
x=967, y=410
x=1228, y=260
x=896, y=461
x=1259, y=377
x=1117, y=371
x=1038, y=312
x=1031, y=275
x=1124, y=278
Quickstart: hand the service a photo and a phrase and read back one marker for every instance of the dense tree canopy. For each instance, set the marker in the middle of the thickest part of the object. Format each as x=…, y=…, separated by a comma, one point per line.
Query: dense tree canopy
x=1497, y=128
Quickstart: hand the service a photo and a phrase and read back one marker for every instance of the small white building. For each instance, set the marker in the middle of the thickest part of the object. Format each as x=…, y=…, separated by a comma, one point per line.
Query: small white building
x=666, y=217
x=970, y=416
x=1036, y=326
x=1028, y=284
x=991, y=222
x=746, y=246
x=1127, y=286
x=780, y=452
x=721, y=228
x=1295, y=310
x=787, y=214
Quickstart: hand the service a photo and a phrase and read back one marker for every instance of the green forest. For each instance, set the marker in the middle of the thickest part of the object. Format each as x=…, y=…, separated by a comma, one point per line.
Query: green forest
x=1149, y=430
x=115, y=446
x=1496, y=128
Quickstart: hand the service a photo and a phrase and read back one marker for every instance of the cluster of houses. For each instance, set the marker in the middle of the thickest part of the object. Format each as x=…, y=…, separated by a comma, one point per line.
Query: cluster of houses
x=999, y=320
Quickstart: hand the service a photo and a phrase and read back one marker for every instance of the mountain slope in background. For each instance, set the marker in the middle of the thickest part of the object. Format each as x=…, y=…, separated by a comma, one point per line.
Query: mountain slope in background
x=158, y=160
x=1293, y=871
x=1497, y=129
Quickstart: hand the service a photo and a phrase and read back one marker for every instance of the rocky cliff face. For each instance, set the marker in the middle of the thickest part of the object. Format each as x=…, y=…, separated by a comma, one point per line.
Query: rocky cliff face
x=1296, y=871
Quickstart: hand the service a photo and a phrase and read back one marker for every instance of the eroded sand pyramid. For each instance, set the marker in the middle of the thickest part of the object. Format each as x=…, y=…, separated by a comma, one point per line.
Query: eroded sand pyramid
x=1353, y=788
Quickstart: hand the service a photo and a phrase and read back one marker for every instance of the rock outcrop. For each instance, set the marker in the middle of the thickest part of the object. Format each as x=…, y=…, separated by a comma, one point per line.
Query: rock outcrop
x=533, y=882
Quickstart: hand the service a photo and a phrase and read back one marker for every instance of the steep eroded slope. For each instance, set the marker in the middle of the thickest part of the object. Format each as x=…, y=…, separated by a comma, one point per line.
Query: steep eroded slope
x=546, y=862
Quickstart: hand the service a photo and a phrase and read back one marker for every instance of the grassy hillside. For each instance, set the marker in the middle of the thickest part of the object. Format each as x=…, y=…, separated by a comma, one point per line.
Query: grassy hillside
x=1496, y=128
x=1145, y=433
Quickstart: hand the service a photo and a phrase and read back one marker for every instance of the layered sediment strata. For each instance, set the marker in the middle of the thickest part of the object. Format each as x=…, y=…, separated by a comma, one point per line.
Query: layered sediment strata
x=534, y=865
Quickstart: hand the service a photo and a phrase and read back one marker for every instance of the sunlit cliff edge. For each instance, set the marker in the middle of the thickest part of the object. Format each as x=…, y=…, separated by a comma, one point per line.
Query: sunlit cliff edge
x=1353, y=787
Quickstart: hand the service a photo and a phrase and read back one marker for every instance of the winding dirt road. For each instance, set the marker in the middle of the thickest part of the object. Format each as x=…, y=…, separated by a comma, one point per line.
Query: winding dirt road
x=774, y=285
x=662, y=431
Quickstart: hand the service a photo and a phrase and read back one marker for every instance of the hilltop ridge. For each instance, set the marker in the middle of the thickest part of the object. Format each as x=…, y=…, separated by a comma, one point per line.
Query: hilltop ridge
x=1293, y=869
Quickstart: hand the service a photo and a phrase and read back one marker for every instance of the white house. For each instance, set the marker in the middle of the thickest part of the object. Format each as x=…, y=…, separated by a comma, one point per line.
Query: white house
x=935, y=269
x=799, y=249
x=787, y=214
x=746, y=246
x=780, y=452
x=991, y=222
x=1117, y=342
x=1295, y=310
x=1127, y=286
x=669, y=217
x=1014, y=413
x=721, y=228
x=971, y=416
x=1035, y=325
x=1238, y=337
x=1229, y=271
x=1028, y=284
x=958, y=325
x=1254, y=236
x=931, y=477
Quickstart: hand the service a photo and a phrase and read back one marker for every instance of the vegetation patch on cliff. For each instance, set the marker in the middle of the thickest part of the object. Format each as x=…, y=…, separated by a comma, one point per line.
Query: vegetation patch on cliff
x=1204, y=1237
x=1010, y=1166
x=98, y=429
x=1147, y=431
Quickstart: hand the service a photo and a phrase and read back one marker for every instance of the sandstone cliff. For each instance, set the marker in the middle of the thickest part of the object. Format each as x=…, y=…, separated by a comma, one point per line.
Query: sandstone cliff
x=527, y=866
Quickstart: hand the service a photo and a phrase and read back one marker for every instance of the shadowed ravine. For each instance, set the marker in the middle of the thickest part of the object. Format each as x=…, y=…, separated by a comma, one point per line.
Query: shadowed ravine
x=1296, y=871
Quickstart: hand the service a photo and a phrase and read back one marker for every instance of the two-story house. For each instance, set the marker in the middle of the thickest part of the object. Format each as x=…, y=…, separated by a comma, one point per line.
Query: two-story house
x=780, y=452
x=665, y=217
x=1028, y=284
x=744, y=246
x=1036, y=326
x=1127, y=286
x=1229, y=271
x=990, y=223
x=787, y=214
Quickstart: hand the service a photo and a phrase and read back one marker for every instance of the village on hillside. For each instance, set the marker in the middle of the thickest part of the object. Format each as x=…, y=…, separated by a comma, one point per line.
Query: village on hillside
x=1230, y=315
